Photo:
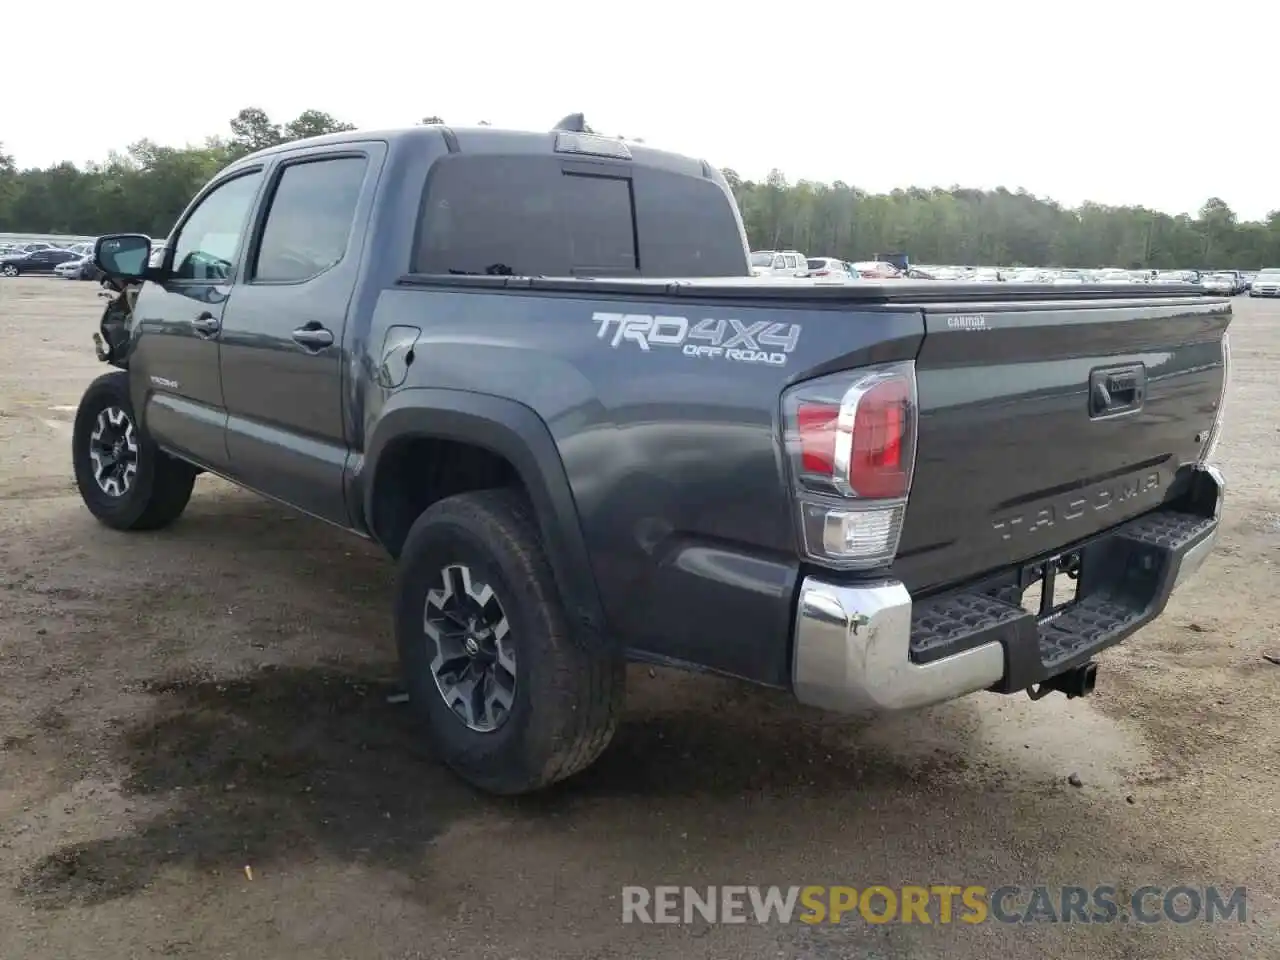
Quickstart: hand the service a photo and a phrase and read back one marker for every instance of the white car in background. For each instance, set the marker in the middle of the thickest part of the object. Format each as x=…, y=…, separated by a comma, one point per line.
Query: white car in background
x=1266, y=283
x=874, y=270
x=1068, y=278
x=1028, y=275
x=69, y=270
x=779, y=263
x=1113, y=275
x=828, y=267
x=1221, y=283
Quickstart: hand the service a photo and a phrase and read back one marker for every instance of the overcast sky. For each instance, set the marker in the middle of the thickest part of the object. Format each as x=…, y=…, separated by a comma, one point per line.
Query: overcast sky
x=1130, y=101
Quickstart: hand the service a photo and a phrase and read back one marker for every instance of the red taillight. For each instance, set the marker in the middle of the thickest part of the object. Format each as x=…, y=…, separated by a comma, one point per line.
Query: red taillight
x=816, y=423
x=823, y=273
x=876, y=466
x=854, y=434
x=850, y=438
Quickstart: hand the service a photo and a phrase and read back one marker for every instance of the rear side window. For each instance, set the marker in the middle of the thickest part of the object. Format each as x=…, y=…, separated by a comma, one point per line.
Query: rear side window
x=542, y=216
x=309, y=220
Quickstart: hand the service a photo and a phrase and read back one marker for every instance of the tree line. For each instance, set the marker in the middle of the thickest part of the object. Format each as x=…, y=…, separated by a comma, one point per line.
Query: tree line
x=145, y=188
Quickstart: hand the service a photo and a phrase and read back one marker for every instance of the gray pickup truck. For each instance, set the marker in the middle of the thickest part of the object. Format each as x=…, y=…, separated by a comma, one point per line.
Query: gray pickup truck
x=535, y=368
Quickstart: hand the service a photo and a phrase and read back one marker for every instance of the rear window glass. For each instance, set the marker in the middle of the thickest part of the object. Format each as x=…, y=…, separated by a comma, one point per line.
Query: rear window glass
x=688, y=227
x=816, y=264
x=515, y=215
x=543, y=216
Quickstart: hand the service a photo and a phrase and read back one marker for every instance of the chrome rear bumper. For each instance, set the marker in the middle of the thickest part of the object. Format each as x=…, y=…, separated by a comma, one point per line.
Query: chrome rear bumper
x=852, y=649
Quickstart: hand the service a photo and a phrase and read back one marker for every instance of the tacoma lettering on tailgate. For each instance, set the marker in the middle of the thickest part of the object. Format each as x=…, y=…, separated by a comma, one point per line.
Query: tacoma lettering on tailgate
x=1074, y=506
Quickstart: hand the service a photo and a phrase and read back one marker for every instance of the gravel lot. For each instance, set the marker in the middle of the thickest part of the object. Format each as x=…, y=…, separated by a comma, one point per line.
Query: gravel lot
x=176, y=707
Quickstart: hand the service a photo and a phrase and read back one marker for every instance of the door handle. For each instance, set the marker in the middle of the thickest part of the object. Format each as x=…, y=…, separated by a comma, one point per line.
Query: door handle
x=313, y=336
x=206, y=323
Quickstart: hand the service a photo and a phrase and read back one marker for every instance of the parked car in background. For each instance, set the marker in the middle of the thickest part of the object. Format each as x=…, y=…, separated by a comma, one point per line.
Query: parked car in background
x=68, y=269
x=875, y=270
x=38, y=261
x=1225, y=284
x=1027, y=275
x=1068, y=278
x=1266, y=283
x=1113, y=275
x=827, y=267
x=779, y=263
x=81, y=269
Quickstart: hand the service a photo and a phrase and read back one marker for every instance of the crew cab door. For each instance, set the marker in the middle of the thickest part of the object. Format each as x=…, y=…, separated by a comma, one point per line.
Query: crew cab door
x=174, y=360
x=283, y=351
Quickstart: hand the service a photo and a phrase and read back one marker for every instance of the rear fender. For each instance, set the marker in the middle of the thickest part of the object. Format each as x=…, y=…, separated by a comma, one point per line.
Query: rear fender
x=516, y=433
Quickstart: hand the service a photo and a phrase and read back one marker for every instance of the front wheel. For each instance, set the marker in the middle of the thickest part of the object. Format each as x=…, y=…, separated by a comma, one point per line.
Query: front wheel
x=125, y=480
x=512, y=699
x=9, y=270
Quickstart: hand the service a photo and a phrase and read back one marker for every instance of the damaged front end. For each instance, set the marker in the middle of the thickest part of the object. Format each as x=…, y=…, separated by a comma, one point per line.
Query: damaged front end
x=111, y=340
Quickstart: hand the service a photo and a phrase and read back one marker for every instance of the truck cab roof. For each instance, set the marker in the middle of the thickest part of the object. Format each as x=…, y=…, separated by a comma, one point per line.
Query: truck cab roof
x=557, y=203
x=482, y=139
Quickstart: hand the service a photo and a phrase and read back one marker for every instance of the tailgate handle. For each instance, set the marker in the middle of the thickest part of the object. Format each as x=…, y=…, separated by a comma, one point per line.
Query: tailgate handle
x=1117, y=390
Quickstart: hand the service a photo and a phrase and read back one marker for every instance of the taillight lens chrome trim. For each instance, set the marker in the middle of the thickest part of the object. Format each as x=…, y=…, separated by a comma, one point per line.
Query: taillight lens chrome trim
x=850, y=442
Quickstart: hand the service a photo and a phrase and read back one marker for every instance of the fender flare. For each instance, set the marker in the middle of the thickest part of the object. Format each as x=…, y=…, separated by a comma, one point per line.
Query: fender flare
x=515, y=432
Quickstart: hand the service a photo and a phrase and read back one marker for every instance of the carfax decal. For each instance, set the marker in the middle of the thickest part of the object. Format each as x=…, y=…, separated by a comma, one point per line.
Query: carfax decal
x=728, y=339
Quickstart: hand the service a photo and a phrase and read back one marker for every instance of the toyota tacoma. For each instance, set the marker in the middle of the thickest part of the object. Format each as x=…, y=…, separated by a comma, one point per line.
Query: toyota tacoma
x=536, y=369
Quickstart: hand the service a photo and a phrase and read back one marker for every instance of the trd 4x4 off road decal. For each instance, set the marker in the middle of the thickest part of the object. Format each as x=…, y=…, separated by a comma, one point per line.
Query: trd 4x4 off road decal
x=758, y=342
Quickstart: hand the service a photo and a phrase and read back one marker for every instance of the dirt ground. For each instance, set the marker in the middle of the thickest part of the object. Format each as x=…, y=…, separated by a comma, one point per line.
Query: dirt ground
x=198, y=759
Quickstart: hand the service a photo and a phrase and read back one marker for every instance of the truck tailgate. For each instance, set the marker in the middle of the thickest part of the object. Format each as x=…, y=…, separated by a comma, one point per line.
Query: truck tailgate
x=1044, y=423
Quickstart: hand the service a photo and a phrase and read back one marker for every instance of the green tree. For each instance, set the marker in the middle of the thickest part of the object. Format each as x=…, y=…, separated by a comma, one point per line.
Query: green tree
x=252, y=129
x=8, y=186
x=313, y=123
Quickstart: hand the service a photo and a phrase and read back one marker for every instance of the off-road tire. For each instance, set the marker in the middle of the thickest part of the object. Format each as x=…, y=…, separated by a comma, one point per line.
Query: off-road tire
x=569, y=690
x=161, y=485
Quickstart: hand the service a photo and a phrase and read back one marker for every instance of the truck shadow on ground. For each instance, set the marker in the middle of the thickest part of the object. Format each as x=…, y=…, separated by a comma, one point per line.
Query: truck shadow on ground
x=285, y=764
x=289, y=765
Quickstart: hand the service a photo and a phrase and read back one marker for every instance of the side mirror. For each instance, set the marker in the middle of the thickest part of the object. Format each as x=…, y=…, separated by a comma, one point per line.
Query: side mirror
x=123, y=255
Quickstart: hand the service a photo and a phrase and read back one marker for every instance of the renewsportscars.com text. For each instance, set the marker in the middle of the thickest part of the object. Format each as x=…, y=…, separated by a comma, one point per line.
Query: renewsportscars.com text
x=933, y=904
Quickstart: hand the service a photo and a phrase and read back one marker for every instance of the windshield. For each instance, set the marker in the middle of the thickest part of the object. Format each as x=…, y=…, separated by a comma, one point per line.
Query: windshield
x=1271, y=274
x=761, y=259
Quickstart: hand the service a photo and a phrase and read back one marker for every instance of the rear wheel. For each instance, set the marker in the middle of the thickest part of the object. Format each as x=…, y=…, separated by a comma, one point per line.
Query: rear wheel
x=512, y=700
x=125, y=480
x=9, y=270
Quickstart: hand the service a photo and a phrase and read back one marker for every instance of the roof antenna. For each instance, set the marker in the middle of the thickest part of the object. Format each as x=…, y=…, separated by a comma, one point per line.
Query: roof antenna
x=573, y=123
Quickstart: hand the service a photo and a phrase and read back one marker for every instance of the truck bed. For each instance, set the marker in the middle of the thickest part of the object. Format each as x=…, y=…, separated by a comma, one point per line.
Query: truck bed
x=675, y=458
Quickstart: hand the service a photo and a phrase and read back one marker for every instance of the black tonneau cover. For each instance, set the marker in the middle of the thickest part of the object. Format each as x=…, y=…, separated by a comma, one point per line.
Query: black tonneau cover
x=890, y=291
